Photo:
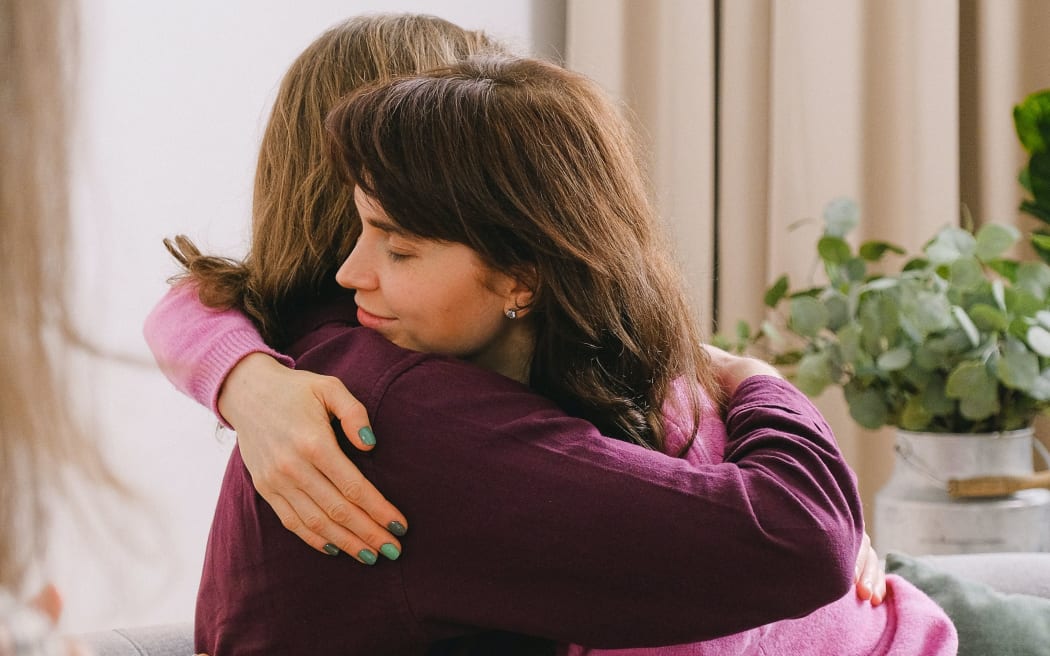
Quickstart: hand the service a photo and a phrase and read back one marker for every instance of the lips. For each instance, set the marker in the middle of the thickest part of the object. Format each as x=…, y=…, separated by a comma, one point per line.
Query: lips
x=369, y=320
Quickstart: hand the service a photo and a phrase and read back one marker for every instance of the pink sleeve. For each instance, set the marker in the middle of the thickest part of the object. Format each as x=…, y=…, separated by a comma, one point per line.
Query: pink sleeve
x=196, y=347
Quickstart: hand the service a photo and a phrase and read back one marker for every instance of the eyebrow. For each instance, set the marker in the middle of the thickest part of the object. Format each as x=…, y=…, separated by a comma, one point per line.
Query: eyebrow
x=386, y=226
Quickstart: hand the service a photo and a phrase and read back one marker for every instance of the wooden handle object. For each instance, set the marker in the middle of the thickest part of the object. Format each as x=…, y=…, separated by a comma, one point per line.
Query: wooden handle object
x=996, y=486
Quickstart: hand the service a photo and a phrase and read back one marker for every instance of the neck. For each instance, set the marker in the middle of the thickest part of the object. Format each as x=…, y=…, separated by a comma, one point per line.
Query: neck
x=513, y=356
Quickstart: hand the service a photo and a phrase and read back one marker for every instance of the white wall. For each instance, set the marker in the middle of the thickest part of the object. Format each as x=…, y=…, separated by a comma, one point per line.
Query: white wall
x=174, y=96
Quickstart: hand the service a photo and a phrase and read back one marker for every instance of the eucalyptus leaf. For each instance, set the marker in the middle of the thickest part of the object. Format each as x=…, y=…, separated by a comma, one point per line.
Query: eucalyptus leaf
x=872, y=251
x=975, y=389
x=894, y=359
x=1018, y=369
x=988, y=318
x=1034, y=277
x=994, y=239
x=813, y=374
x=1039, y=340
x=966, y=273
x=834, y=250
x=867, y=407
x=841, y=216
x=949, y=245
x=915, y=416
x=967, y=325
x=776, y=291
x=808, y=316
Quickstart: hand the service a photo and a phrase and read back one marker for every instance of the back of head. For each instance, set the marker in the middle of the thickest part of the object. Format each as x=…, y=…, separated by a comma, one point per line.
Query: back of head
x=532, y=166
x=304, y=220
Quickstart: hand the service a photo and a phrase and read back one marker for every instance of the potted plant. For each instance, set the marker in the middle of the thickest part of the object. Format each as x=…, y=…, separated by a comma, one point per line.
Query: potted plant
x=946, y=345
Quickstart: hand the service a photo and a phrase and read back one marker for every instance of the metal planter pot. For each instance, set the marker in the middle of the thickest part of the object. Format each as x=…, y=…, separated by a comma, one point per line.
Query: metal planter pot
x=914, y=513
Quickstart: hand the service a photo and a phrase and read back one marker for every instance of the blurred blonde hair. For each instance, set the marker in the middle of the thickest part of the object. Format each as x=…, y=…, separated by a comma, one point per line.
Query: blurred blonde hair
x=40, y=442
x=304, y=222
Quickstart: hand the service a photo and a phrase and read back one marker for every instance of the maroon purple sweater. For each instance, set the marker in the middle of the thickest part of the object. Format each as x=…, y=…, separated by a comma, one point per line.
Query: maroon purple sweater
x=529, y=521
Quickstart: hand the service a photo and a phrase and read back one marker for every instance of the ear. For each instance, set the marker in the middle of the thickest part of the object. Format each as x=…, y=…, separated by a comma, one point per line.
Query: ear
x=520, y=290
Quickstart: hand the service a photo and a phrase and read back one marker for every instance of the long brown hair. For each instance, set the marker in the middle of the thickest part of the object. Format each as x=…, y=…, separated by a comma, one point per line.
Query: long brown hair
x=532, y=167
x=304, y=222
x=41, y=444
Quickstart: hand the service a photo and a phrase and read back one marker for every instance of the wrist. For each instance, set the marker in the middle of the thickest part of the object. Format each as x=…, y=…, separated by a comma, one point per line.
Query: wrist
x=237, y=387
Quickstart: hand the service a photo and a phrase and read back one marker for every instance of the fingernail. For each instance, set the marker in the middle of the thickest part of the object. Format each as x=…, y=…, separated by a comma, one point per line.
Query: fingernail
x=867, y=584
x=397, y=528
x=331, y=549
x=367, y=556
x=390, y=551
x=367, y=436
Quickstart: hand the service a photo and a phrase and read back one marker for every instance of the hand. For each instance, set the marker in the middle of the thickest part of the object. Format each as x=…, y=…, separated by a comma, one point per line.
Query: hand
x=731, y=370
x=283, y=423
x=870, y=574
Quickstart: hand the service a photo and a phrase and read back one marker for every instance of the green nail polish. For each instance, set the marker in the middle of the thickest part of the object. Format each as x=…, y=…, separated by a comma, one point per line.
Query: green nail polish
x=397, y=528
x=390, y=551
x=367, y=557
x=331, y=549
x=367, y=436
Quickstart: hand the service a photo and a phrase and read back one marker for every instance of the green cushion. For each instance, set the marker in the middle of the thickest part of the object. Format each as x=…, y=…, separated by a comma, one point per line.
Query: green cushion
x=988, y=621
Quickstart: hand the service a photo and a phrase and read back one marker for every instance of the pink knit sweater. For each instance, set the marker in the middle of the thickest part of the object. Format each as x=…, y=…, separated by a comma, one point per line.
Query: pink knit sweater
x=196, y=348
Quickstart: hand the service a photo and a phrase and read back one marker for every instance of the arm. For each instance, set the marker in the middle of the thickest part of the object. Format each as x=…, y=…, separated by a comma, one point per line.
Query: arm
x=686, y=552
x=282, y=419
x=533, y=522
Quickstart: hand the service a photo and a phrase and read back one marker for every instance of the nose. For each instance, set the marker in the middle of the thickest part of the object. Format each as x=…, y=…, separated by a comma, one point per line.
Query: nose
x=356, y=272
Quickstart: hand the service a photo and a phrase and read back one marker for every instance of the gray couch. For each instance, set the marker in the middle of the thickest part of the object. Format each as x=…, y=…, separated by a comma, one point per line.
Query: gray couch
x=1026, y=573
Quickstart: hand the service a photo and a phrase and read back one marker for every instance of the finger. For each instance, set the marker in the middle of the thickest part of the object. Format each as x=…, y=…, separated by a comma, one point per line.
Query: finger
x=353, y=490
x=362, y=538
x=352, y=415
x=863, y=571
x=291, y=521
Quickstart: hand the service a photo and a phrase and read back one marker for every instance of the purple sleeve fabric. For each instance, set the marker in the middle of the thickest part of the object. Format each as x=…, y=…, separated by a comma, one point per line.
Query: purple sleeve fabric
x=196, y=347
x=523, y=519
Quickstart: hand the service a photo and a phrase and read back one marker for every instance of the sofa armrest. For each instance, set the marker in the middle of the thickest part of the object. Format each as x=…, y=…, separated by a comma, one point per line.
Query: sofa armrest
x=157, y=640
x=1023, y=572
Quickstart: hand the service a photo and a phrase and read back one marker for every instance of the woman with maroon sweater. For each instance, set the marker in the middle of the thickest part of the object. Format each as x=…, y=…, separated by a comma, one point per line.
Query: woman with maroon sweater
x=505, y=226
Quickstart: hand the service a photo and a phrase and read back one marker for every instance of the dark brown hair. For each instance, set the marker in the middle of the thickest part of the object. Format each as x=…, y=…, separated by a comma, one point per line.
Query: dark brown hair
x=532, y=167
x=304, y=222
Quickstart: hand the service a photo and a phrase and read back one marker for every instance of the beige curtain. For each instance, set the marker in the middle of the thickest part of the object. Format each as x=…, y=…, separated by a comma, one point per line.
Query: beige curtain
x=758, y=112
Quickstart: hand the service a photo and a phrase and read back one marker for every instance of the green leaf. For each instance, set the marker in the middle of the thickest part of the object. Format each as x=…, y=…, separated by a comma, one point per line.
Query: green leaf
x=855, y=269
x=834, y=250
x=934, y=397
x=988, y=318
x=1005, y=268
x=967, y=325
x=1039, y=340
x=915, y=416
x=975, y=389
x=838, y=310
x=1043, y=317
x=949, y=245
x=999, y=293
x=776, y=291
x=1041, y=242
x=1018, y=369
x=966, y=273
x=867, y=407
x=813, y=374
x=872, y=251
x=994, y=239
x=841, y=216
x=1031, y=117
x=1034, y=278
x=808, y=316
x=894, y=359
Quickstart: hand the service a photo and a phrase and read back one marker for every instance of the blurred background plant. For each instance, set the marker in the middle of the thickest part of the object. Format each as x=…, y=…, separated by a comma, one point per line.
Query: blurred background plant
x=1032, y=122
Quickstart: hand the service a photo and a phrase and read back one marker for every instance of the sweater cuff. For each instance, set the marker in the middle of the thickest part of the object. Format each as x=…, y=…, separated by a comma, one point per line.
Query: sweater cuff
x=216, y=364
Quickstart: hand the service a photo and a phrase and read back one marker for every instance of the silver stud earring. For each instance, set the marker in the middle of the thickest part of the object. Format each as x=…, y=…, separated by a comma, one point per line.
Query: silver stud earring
x=511, y=314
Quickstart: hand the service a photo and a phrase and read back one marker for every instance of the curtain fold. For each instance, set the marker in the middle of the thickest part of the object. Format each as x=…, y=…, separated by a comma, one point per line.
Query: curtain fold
x=758, y=112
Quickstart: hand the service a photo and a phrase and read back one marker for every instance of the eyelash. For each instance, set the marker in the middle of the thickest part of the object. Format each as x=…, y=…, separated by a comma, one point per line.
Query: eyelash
x=397, y=257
